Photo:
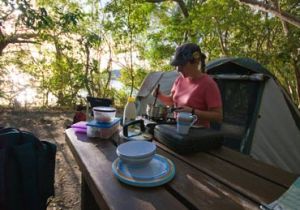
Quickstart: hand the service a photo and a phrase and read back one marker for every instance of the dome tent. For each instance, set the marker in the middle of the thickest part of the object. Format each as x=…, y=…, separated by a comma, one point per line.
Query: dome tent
x=259, y=118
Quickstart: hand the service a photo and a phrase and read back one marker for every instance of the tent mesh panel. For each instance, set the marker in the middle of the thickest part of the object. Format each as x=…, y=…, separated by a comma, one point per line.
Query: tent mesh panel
x=239, y=101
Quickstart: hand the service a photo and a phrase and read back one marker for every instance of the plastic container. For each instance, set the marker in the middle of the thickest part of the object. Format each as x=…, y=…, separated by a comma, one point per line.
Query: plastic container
x=79, y=127
x=102, y=130
x=129, y=111
x=104, y=113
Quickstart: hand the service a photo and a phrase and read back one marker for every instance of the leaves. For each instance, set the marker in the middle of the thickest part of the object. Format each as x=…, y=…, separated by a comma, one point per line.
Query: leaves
x=80, y=43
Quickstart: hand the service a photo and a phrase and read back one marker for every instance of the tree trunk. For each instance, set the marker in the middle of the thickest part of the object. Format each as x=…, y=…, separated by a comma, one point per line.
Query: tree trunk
x=87, y=67
x=2, y=46
x=296, y=64
x=108, y=70
x=221, y=38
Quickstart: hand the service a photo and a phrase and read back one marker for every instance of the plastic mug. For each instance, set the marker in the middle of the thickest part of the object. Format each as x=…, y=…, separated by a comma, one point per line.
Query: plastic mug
x=185, y=121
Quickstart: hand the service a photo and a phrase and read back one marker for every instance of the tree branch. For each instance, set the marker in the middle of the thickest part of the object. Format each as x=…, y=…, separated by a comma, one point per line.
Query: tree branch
x=270, y=9
x=183, y=7
x=283, y=23
x=25, y=41
x=179, y=2
x=16, y=38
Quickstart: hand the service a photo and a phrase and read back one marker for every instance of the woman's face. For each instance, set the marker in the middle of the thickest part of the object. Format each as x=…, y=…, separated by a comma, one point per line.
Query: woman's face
x=184, y=70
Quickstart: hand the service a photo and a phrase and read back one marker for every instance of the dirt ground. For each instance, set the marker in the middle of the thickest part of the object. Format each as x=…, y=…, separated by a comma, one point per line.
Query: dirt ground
x=50, y=126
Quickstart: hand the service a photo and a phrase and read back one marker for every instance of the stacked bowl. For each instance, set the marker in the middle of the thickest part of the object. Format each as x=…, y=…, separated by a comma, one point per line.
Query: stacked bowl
x=104, y=114
x=136, y=153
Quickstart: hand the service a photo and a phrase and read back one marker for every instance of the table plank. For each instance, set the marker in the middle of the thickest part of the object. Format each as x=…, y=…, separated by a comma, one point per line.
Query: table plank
x=266, y=171
x=203, y=192
x=95, y=160
x=251, y=186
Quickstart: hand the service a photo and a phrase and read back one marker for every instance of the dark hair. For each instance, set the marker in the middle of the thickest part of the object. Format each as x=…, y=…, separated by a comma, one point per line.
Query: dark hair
x=202, y=61
x=201, y=58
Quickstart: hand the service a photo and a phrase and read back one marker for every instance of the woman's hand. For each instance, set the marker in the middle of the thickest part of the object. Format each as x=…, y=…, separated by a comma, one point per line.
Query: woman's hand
x=213, y=114
x=184, y=109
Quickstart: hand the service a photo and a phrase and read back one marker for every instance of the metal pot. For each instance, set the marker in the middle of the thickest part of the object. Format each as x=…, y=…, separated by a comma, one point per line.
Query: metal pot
x=157, y=112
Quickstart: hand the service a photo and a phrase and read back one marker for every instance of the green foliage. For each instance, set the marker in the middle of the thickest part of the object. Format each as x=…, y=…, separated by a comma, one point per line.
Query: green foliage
x=75, y=36
x=35, y=19
x=138, y=74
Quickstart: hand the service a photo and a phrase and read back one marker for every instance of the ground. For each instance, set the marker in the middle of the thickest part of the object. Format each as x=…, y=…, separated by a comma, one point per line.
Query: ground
x=50, y=125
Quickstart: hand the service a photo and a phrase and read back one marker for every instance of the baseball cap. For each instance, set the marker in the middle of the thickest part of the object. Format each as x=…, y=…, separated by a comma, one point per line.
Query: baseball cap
x=185, y=53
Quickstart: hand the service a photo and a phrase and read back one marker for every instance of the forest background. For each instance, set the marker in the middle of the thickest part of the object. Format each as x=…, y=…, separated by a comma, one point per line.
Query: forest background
x=73, y=46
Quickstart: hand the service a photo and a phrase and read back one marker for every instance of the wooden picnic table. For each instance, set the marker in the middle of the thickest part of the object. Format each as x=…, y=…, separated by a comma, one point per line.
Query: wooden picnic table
x=219, y=179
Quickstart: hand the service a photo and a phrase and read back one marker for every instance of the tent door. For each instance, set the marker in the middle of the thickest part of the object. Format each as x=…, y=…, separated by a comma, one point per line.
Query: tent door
x=240, y=98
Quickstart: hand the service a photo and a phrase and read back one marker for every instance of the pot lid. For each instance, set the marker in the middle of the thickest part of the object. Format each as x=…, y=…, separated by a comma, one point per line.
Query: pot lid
x=104, y=109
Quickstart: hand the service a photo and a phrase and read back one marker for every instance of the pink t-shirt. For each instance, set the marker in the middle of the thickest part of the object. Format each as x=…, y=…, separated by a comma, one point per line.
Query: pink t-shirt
x=201, y=93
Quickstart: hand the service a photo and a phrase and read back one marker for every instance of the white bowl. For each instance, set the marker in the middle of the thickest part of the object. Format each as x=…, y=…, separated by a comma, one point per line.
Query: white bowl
x=134, y=150
x=104, y=114
x=137, y=161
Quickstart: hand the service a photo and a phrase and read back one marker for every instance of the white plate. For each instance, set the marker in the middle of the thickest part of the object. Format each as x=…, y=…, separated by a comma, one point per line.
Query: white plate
x=160, y=170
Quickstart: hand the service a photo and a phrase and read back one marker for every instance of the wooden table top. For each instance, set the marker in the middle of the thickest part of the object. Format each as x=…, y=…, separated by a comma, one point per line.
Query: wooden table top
x=219, y=179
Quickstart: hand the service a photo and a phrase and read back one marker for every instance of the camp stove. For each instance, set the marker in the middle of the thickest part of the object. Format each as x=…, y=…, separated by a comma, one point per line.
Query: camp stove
x=151, y=122
x=158, y=120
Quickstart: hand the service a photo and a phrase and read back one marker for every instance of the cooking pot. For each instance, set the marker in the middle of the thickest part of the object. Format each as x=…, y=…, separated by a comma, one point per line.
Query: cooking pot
x=160, y=112
x=156, y=111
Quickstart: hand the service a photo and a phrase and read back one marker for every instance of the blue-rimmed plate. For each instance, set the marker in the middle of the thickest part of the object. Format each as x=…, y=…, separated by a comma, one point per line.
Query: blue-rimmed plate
x=158, y=171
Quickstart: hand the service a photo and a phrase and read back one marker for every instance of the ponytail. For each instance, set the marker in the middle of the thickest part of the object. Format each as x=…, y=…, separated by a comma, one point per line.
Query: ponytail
x=202, y=62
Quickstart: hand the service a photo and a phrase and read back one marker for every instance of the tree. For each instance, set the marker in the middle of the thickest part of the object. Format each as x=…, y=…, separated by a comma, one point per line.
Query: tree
x=27, y=23
x=127, y=22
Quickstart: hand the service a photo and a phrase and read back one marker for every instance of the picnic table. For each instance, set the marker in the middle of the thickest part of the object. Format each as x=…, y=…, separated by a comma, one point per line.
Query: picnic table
x=219, y=179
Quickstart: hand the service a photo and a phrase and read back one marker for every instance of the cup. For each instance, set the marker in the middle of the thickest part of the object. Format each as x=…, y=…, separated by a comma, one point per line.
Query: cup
x=185, y=121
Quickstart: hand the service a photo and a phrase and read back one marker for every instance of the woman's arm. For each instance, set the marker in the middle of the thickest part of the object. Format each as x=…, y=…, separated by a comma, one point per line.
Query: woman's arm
x=212, y=114
x=165, y=99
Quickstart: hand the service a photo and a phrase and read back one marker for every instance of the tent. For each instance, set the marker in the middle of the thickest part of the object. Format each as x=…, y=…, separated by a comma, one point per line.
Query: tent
x=259, y=118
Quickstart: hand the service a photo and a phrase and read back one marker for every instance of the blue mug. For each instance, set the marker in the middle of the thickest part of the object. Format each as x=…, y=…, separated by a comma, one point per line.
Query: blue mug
x=185, y=120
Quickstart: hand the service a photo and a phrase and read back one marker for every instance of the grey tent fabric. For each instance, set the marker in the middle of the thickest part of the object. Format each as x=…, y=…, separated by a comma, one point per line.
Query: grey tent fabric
x=276, y=138
x=149, y=83
x=144, y=96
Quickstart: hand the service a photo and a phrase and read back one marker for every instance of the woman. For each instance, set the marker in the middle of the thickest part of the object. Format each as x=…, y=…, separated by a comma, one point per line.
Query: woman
x=194, y=91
